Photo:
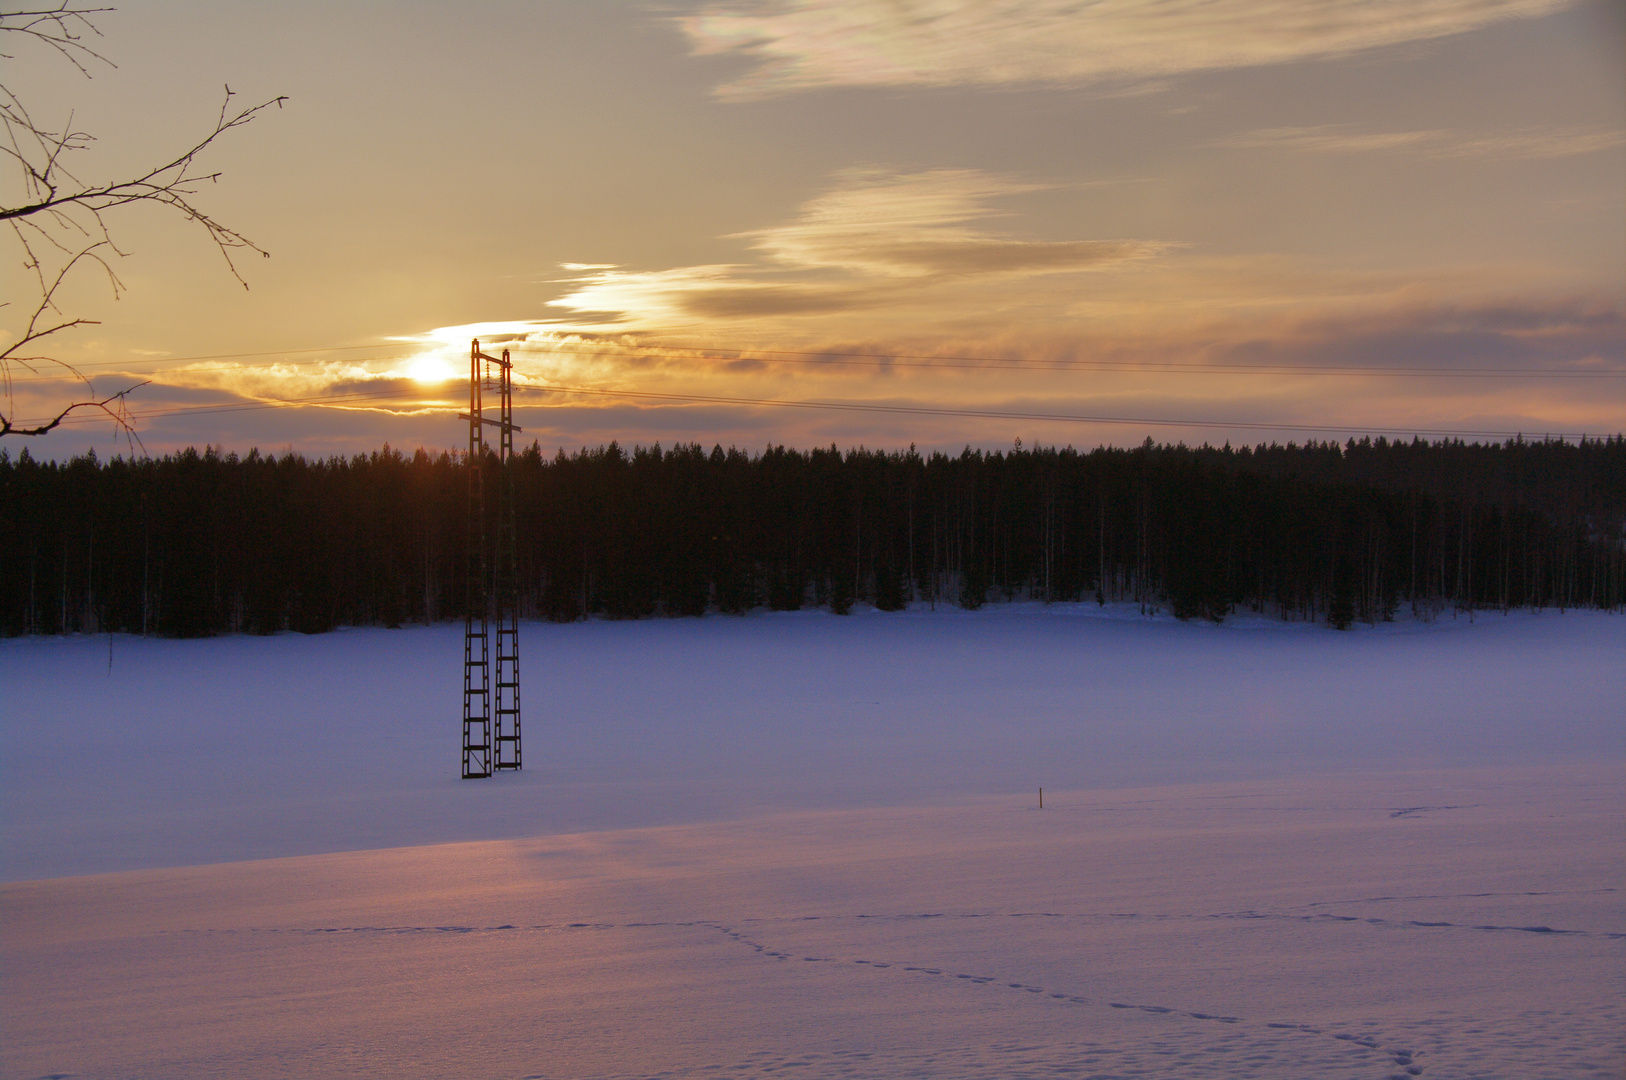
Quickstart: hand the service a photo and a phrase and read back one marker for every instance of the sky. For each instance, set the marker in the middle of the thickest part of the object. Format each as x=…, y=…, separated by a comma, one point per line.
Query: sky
x=931, y=222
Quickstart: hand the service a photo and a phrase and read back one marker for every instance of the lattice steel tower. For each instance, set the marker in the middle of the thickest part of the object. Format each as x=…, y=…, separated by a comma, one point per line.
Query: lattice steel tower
x=491, y=735
x=505, y=587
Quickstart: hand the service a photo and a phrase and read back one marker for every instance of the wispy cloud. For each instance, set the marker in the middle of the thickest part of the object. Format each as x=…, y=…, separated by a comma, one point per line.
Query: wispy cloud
x=916, y=225
x=1343, y=139
x=1329, y=139
x=876, y=238
x=1256, y=365
x=684, y=295
x=808, y=44
x=902, y=287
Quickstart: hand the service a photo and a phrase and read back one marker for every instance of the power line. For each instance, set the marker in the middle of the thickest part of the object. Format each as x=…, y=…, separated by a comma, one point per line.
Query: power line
x=128, y=368
x=995, y=414
x=339, y=400
x=817, y=357
x=908, y=360
x=240, y=356
x=914, y=410
x=254, y=405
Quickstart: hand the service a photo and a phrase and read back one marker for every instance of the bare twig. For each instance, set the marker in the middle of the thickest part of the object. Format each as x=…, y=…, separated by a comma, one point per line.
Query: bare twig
x=40, y=325
x=171, y=184
x=64, y=218
x=62, y=28
x=114, y=406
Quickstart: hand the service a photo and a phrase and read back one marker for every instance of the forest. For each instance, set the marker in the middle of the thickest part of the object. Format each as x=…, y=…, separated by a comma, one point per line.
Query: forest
x=201, y=543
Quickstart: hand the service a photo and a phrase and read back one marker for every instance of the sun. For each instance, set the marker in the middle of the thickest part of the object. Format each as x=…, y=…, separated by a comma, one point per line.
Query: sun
x=428, y=368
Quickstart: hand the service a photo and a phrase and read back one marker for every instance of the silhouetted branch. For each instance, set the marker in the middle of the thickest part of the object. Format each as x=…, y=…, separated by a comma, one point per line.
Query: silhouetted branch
x=55, y=191
x=58, y=212
x=61, y=28
x=114, y=406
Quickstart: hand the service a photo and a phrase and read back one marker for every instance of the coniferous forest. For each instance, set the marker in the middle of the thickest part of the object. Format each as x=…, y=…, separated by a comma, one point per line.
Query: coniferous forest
x=195, y=544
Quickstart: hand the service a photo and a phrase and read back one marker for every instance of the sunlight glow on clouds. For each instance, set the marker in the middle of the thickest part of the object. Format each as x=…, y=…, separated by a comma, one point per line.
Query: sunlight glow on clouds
x=1388, y=219
x=806, y=44
x=913, y=225
x=868, y=285
x=877, y=237
x=887, y=262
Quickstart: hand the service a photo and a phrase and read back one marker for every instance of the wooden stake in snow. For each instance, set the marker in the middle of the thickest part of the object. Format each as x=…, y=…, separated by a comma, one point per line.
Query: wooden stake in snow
x=1041, y=798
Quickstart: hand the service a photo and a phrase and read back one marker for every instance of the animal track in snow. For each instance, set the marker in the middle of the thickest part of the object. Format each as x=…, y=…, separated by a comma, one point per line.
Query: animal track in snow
x=1246, y=915
x=1415, y=811
x=1405, y=1062
x=1403, y=1058
x=1453, y=896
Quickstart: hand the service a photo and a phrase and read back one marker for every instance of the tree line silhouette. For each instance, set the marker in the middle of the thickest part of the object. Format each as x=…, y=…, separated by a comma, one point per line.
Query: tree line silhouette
x=195, y=544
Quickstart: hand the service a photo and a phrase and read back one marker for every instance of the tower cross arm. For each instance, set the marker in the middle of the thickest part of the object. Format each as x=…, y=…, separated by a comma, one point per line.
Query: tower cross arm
x=494, y=423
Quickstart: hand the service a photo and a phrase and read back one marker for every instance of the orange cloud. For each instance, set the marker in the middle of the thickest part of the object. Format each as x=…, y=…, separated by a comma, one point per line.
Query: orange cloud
x=876, y=239
x=809, y=44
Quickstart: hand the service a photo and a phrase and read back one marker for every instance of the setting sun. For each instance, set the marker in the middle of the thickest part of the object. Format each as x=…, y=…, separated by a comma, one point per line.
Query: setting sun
x=428, y=369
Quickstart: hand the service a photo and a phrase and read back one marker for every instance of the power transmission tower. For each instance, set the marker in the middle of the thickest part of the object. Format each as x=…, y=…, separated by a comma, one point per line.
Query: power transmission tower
x=505, y=590
x=490, y=594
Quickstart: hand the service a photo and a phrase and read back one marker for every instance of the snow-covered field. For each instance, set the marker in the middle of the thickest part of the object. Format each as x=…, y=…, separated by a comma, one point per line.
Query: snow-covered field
x=810, y=845
x=184, y=752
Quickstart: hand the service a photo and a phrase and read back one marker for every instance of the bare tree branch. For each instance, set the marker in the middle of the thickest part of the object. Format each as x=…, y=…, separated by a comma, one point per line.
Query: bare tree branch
x=62, y=28
x=115, y=407
x=40, y=326
x=59, y=221
x=170, y=184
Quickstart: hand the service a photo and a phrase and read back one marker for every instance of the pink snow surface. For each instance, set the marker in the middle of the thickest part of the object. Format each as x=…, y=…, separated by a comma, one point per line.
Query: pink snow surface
x=809, y=846
x=1463, y=923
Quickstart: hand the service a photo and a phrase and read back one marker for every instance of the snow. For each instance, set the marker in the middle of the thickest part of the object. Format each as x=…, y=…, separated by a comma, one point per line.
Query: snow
x=808, y=845
x=185, y=752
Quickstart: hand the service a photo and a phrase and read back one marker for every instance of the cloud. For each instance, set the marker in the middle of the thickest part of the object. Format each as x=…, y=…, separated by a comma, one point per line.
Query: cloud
x=876, y=238
x=1340, y=139
x=1328, y=138
x=914, y=225
x=809, y=44
x=1533, y=144
x=680, y=296
x=916, y=267
x=1556, y=337
x=1155, y=368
